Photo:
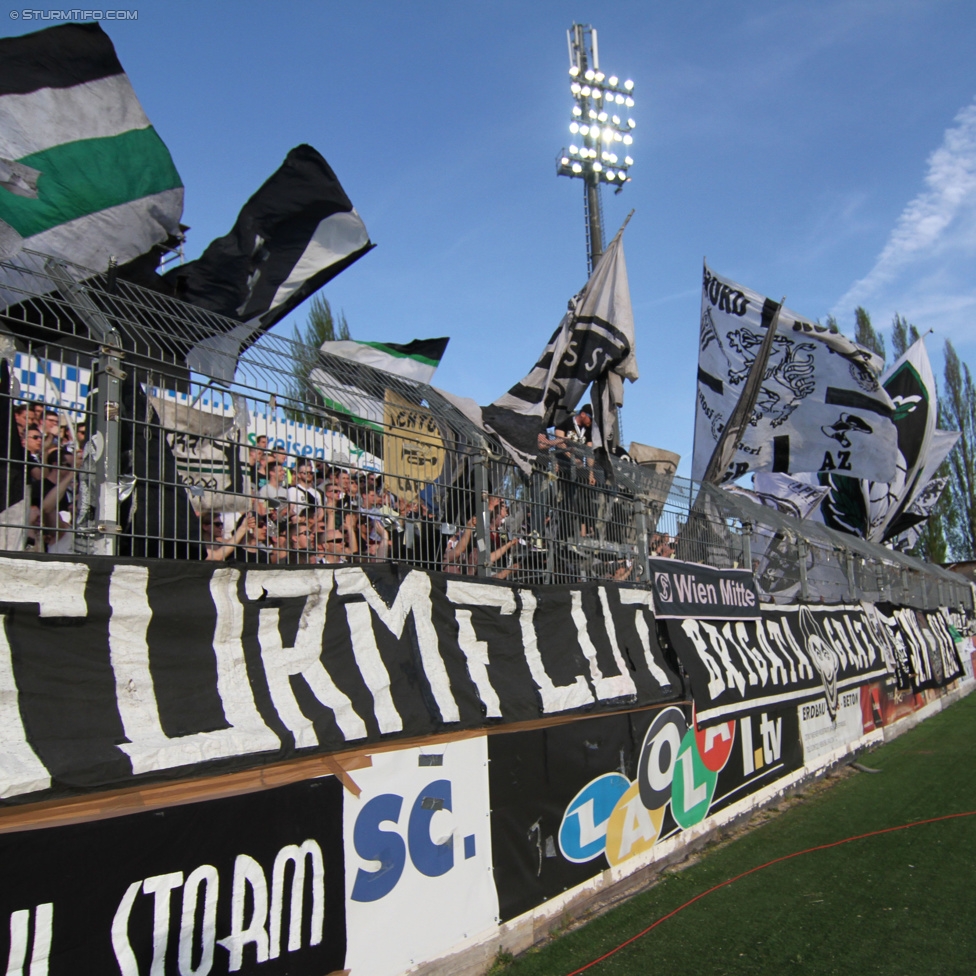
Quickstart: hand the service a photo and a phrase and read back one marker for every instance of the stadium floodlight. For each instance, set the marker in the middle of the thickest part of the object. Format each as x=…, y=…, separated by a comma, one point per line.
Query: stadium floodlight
x=593, y=93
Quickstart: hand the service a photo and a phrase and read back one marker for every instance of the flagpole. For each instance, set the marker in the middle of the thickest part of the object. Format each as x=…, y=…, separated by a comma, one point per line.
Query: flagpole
x=731, y=437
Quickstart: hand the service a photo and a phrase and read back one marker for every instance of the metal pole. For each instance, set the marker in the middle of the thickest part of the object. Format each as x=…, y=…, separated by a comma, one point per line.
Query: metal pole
x=482, y=526
x=594, y=221
x=747, y=545
x=801, y=549
x=108, y=398
x=851, y=578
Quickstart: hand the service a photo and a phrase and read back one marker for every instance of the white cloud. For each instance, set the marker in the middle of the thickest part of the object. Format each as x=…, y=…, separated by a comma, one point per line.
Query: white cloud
x=925, y=270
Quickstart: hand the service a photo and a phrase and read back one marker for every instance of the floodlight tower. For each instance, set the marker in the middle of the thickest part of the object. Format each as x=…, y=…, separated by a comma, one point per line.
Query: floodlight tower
x=602, y=129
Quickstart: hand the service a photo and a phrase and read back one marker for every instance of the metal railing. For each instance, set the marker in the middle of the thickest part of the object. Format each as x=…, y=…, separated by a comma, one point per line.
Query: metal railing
x=267, y=451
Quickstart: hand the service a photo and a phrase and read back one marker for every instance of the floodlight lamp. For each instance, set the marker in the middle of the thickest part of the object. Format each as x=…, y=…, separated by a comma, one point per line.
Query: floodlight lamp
x=574, y=70
x=600, y=76
x=616, y=120
x=585, y=90
x=613, y=81
x=584, y=130
x=617, y=137
x=619, y=99
x=574, y=127
x=573, y=150
x=602, y=116
x=564, y=161
x=629, y=85
x=605, y=156
x=597, y=168
x=611, y=174
x=592, y=114
x=590, y=74
x=613, y=157
x=608, y=135
x=577, y=168
x=577, y=110
x=629, y=102
x=628, y=161
x=597, y=93
x=575, y=88
x=631, y=123
x=628, y=140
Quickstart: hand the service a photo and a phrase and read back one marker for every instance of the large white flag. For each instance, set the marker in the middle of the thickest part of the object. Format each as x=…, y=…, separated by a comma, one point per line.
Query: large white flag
x=820, y=406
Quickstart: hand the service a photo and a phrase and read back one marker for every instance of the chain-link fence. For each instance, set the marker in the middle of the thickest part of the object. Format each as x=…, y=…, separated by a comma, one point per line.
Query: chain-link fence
x=135, y=424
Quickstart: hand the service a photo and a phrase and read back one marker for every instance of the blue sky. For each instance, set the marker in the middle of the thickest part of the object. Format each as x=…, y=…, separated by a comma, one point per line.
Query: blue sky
x=822, y=151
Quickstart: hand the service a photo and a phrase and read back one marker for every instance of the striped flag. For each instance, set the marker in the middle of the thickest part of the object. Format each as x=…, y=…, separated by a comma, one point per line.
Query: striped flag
x=594, y=341
x=297, y=232
x=83, y=175
x=416, y=360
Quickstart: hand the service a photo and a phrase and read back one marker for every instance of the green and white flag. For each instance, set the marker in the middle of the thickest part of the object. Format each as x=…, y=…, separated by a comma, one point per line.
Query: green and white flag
x=416, y=360
x=83, y=175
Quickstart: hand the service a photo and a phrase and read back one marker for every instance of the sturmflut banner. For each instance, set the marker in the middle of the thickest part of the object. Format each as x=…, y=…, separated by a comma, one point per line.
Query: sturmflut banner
x=115, y=670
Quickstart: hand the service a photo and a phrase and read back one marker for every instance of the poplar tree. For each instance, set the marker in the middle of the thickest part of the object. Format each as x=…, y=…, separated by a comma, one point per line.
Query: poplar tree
x=320, y=326
x=957, y=411
x=865, y=333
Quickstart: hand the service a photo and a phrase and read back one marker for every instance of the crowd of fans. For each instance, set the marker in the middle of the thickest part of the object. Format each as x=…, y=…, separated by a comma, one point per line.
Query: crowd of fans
x=306, y=511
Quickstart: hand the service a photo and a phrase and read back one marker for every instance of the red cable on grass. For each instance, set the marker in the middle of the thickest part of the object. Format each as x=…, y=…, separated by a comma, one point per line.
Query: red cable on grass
x=785, y=857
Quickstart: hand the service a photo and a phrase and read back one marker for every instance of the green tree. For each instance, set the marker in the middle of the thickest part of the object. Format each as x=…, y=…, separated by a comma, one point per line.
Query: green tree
x=958, y=412
x=320, y=326
x=903, y=335
x=865, y=333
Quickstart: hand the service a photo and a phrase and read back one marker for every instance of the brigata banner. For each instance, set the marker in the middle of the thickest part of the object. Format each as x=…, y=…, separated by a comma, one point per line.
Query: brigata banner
x=250, y=884
x=115, y=670
x=792, y=655
x=694, y=590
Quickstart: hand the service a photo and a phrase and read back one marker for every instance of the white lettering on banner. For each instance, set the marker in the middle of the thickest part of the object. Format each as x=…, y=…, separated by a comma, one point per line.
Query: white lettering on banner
x=205, y=874
x=304, y=656
x=748, y=755
x=554, y=699
x=716, y=682
x=40, y=953
x=693, y=794
x=742, y=650
x=772, y=738
x=124, y=956
x=644, y=600
x=476, y=651
x=622, y=686
x=762, y=670
x=413, y=597
x=247, y=875
x=296, y=856
x=604, y=688
x=59, y=591
x=198, y=937
x=732, y=674
x=161, y=886
x=149, y=748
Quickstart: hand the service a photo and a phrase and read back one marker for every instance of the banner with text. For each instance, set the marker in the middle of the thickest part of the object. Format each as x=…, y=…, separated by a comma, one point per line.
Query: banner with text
x=693, y=590
x=250, y=884
x=115, y=670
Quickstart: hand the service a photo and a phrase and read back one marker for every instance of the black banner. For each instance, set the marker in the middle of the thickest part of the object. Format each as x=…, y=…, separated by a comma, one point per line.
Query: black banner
x=252, y=884
x=693, y=590
x=921, y=642
x=791, y=655
x=154, y=669
x=571, y=800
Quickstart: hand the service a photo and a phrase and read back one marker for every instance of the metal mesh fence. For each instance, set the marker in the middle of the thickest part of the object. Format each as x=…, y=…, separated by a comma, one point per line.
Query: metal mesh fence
x=268, y=451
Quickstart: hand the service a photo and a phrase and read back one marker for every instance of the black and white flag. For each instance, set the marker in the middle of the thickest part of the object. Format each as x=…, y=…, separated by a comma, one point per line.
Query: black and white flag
x=594, y=341
x=820, y=406
x=296, y=233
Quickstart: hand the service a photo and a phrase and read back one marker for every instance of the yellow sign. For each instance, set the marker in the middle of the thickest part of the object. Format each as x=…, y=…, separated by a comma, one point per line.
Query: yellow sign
x=413, y=449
